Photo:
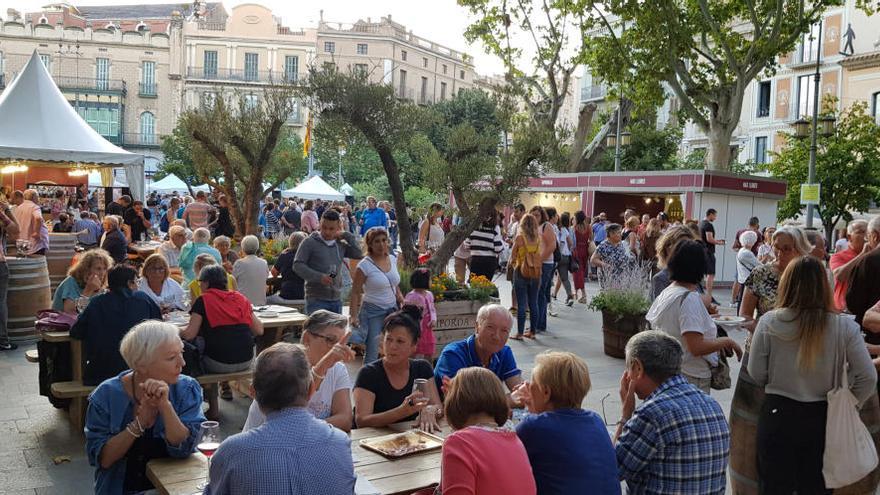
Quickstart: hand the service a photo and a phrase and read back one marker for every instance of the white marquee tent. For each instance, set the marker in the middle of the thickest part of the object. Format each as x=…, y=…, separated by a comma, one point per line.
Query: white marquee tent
x=39, y=127
x=169, y=184
x=314, y=188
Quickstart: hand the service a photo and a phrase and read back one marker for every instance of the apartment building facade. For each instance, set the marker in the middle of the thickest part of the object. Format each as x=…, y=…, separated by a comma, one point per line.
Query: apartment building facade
x=418, y=69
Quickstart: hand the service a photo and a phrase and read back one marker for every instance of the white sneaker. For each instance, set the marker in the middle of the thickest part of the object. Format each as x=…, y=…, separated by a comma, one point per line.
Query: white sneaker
x=550, y=309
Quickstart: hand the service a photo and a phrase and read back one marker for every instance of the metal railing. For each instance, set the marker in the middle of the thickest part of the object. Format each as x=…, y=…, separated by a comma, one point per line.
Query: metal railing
x=212, y=26
x=239, y=75
x=593, y=92
x=91, y=84
x=147, y=89
x=137, y=139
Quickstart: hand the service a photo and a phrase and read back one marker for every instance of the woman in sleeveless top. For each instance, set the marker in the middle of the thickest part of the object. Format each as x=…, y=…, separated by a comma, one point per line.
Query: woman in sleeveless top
x=583, y=236
x=526, y=289
x=431, y=234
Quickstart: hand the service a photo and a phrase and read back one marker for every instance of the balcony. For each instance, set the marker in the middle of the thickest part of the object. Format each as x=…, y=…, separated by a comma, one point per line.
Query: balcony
x=136, y=140
x=243, y=76
x=91, y=85
x=147, y=90
x=590, y=93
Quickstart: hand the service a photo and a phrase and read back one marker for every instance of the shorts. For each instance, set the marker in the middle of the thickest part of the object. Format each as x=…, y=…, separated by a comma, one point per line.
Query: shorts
x=710, y=263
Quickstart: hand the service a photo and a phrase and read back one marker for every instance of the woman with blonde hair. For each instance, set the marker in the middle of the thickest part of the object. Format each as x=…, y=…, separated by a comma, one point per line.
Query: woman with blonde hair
x=526, y=242
x=481, y=455
x=798, y=351
x=157, y=283
x=568, y=446
x=203, y=260
x=88, y=277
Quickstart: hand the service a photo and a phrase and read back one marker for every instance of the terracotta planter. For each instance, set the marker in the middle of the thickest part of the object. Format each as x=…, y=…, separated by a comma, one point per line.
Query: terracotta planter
x=617, y=329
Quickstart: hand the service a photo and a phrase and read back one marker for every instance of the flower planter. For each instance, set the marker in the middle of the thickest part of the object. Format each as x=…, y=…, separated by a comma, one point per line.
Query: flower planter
x=456, y=320
x=617, y=329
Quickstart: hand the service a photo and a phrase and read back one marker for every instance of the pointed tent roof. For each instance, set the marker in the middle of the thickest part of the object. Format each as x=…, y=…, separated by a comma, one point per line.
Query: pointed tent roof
x=37, y=123
x=168, y=184
x=347, y=189
x=314, y=188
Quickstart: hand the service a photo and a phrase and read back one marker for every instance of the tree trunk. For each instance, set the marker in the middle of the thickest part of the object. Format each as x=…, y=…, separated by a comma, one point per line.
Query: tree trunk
x=585, y=122
x=594, y=151
x=440, y=260
x=719, y=145
x=404, y=228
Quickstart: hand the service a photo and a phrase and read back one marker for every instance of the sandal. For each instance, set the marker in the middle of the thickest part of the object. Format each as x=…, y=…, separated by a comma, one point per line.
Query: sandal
x=517, y=337
x=530, y=335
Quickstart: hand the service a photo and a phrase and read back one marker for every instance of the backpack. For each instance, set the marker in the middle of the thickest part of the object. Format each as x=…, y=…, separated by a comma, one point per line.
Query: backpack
x=531, y=264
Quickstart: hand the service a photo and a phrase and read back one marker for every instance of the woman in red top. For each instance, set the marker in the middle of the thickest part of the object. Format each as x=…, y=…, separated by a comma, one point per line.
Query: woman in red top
x=481, y=456
x=583, y=236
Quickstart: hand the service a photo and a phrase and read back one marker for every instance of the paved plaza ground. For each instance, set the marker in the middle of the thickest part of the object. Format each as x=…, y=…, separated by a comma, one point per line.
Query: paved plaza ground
x=33, y=434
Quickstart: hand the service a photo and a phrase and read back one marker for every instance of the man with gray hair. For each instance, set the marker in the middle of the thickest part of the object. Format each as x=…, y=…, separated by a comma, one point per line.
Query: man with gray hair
x=293, y=452
x=487, y=348
x=114, y=241
x=677, y=440
x=843, y=261
x=864, y=279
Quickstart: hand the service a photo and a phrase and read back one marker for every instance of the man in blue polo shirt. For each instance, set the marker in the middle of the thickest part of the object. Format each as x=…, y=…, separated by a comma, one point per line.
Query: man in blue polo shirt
x=373, y=216
x=487, y=347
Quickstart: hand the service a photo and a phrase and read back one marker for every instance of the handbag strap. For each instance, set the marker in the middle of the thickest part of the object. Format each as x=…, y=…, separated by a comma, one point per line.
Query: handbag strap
x=841, y=380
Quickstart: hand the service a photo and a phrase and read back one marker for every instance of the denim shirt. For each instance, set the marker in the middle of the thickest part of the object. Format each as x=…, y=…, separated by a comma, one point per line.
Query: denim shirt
x=111, y=410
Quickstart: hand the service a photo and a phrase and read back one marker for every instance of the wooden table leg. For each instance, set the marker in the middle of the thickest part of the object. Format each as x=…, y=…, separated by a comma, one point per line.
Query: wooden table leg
x=78, y=405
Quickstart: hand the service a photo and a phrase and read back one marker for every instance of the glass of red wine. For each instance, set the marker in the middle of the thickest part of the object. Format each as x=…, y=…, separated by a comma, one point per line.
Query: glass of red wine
x=209, y=441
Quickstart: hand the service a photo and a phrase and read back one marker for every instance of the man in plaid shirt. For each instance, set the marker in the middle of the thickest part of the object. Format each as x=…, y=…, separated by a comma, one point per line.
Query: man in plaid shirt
x=677, y=441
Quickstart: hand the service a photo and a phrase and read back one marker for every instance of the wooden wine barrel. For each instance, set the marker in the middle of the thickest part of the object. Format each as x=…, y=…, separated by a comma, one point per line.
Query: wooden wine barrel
x=617, y=330
x=28, y=293
x=61, y=251
x=745, y=409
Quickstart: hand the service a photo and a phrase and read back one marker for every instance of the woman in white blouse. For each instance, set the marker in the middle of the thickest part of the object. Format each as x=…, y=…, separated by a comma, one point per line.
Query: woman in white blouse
x=324, y=338
x=375, y=291
x=157, y=283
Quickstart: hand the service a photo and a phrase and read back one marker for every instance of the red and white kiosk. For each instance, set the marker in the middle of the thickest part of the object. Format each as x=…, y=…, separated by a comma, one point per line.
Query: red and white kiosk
x=682, y=194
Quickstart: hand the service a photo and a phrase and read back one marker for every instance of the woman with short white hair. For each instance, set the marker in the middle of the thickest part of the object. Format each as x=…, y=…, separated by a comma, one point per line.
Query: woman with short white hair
x=746, y=261
x=251, y=271
x=146, y=412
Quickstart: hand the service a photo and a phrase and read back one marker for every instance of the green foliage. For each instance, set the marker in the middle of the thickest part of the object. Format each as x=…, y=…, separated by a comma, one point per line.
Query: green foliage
x=621, y=302
x=177, y=149
x=421, y=198
x=651, y=149
x=847, y=167
x=376, y=187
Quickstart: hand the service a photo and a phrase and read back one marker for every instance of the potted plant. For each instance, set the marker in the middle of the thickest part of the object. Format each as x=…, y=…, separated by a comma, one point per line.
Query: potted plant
x=623, y=301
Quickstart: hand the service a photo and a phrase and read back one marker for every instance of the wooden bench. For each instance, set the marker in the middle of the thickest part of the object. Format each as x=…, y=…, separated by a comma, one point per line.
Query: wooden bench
x=76, y=390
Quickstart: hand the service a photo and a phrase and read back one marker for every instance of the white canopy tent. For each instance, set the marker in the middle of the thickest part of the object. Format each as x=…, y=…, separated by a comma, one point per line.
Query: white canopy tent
x=169, y=184
x=37, y=124
x=314, y=188
x=347, y=189
x=95, y=180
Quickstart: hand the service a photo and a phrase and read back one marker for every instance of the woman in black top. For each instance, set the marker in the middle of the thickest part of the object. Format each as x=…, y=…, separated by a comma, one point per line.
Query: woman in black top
x=383, y=391
x=292, y=285
x=224, y=220
x=226, y=322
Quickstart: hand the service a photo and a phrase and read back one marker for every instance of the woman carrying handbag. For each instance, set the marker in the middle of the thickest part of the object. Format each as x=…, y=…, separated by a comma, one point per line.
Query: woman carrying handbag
x=797, y=354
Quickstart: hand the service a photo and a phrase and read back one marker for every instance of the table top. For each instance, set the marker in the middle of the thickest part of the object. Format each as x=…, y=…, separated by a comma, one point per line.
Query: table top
x=142, y=247
x=292, y=318
x=182, y=476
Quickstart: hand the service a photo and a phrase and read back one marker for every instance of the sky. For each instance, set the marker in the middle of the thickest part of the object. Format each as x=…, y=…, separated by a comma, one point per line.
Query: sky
x=441, y=21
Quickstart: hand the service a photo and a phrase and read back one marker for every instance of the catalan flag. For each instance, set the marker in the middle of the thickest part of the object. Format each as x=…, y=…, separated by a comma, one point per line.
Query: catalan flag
x=307, y=143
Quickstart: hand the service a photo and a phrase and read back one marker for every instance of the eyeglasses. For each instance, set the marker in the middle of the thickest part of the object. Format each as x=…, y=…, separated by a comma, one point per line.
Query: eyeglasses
x=157, y=269
x=327, y=338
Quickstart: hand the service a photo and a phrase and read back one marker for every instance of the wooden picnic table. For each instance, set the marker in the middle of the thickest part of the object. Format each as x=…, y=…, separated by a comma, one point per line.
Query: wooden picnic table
x=388, y=476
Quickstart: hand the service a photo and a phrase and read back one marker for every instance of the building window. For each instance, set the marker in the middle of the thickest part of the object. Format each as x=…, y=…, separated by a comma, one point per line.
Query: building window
x=251, y=101
x=461, y=74
x=251, y=66
x=442, y=91
x=148, y=128
x=148, y=78
x=402, y=84
x=210, y=63
x=104, y=119
x=47, y=60
x=360, y=69
x=294, y=117
x=362, y=49
x=425, y=62
x=445, y=68
x=403, y=55
x=291, y=68
x=329, y=47
x=806, y=86
x=424, y=91
x=761, y=150
x=763, y=99
x=875, y=107
x=809, y=43
x=102, y=73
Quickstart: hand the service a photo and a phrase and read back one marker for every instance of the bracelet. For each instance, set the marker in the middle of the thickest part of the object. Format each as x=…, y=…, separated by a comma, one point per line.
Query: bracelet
x=315, y=374
x=132, y=433
x=139, y=426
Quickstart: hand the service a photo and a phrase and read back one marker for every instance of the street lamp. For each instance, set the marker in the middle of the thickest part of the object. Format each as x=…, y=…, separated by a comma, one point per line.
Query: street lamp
x=827, y=123
x=625, y=138
x=801, y=128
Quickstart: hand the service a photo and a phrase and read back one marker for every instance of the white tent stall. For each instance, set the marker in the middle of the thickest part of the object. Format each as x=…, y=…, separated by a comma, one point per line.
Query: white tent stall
x=40, y=129
x=314, y=188
x=169, y=184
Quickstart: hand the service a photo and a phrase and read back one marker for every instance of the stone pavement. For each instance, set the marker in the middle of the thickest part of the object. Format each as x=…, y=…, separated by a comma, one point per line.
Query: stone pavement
x=33, y=433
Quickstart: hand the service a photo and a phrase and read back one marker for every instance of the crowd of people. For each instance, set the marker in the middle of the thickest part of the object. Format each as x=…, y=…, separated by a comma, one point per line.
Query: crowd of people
x=674, y=439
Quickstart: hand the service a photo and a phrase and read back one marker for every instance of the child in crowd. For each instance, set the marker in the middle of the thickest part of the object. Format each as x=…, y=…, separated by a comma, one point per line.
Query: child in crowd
x=420, y=281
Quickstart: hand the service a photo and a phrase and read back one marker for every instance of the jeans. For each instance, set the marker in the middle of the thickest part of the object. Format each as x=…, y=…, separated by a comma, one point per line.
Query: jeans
x=544, y=295
x=372, y=318
x=4, y=284
x=563, y=270
x=313, y=305
x=526, y=297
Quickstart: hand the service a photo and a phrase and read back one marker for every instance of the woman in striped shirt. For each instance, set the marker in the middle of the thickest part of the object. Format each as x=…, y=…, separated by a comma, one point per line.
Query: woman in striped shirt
x=485, y=245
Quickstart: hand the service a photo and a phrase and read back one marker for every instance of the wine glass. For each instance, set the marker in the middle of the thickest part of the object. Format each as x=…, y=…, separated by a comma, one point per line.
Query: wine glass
x=420, y=387
x=81, y=303
x=209, y=441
